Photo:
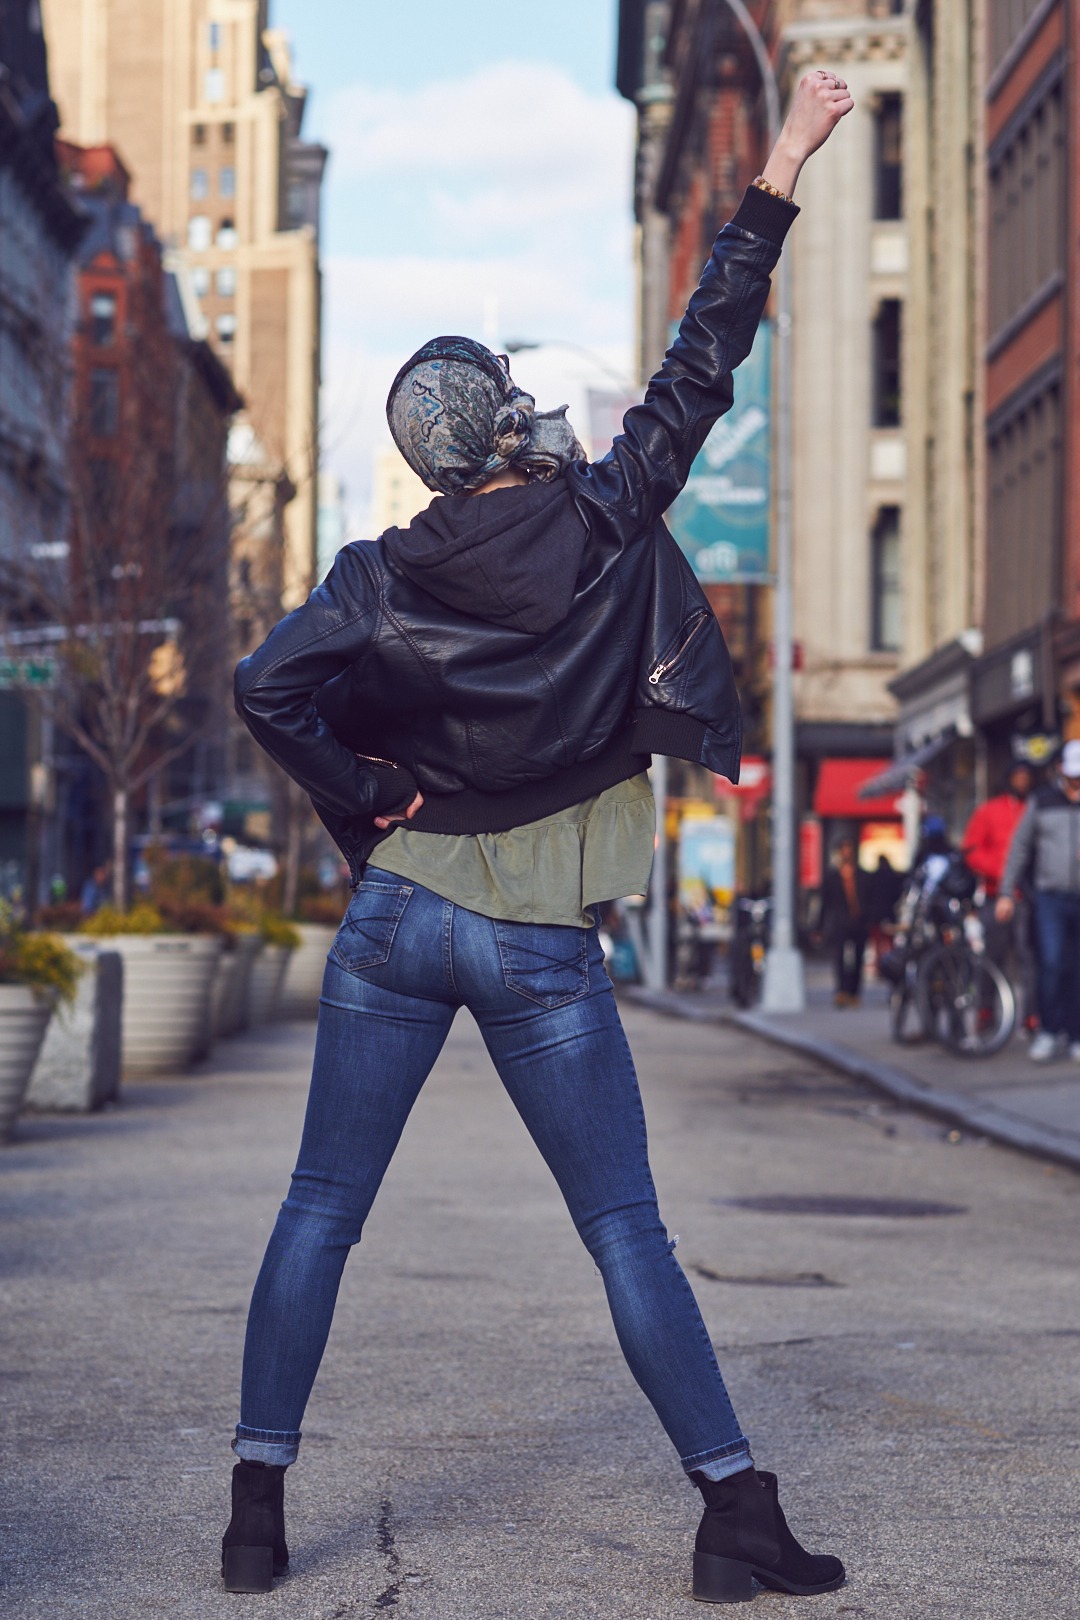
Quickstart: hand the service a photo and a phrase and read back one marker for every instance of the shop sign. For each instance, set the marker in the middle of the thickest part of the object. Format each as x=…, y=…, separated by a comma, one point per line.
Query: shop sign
x=721, y=519
x=706, y=862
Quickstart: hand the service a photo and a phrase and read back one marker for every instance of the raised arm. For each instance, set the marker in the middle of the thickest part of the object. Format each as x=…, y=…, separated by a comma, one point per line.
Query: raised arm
x=650, y=462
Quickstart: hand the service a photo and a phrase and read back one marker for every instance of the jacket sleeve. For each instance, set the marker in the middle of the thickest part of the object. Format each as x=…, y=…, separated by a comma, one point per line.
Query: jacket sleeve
x=650, y=462
x=977, y=846
x=1021, y=849
x=276, y=688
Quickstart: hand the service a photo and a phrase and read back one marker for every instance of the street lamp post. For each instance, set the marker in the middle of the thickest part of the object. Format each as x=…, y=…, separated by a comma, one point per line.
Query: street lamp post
x=784, y=988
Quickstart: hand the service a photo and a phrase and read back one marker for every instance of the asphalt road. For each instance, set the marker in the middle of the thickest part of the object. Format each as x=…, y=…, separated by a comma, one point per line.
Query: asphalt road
x=475, y=1448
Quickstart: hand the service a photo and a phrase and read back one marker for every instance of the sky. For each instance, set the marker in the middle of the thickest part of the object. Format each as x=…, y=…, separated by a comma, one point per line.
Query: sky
x=479, y=181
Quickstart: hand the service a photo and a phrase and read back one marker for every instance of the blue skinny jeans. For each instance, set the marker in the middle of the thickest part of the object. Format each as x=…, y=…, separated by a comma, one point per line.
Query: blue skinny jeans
x=403, y=962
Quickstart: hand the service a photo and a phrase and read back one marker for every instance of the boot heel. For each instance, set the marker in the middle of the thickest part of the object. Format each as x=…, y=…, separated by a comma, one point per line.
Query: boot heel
x=248, y=1569
x=722, y=1580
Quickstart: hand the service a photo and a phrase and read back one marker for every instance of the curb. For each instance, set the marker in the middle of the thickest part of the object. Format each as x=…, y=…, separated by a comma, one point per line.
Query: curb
x=984, y=1118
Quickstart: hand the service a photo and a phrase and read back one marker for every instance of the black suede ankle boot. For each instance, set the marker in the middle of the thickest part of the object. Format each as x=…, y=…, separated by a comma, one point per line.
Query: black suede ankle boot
x=744, y=1536
x=253, y=1548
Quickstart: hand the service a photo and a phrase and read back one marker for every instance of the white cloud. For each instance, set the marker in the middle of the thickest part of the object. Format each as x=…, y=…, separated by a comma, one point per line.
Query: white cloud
x=512, y=189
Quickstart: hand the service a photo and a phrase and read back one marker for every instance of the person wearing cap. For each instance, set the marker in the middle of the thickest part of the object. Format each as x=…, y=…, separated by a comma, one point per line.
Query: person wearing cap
x=1046, y=845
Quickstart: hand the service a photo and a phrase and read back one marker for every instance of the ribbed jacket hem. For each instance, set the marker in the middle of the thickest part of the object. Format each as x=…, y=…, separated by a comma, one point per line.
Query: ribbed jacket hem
x=473, y=812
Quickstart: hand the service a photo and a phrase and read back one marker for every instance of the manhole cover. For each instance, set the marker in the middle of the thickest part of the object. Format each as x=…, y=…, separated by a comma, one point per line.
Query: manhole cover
x=838, y=1204
x=768, y=1279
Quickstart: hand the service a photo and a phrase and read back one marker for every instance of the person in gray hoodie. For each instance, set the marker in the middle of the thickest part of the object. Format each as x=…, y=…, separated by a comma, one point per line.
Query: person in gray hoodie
x=1045, y=850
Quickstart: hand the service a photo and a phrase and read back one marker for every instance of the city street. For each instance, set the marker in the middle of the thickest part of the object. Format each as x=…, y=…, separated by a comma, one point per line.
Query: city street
x=475, y=1448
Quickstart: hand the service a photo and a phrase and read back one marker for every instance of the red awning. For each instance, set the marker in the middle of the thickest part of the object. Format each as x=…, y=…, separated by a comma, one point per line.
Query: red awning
x=838, y=783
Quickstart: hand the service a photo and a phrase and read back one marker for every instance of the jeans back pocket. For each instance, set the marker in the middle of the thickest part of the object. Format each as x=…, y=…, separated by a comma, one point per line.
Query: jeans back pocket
x=544, y=962
x=367, y=930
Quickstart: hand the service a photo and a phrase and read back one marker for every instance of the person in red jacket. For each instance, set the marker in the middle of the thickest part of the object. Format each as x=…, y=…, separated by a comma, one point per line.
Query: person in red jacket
x=990, y=830
x=986, y=847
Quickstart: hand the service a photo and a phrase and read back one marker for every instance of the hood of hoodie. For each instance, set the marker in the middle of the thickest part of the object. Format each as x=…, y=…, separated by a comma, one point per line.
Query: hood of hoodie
x=511, y=557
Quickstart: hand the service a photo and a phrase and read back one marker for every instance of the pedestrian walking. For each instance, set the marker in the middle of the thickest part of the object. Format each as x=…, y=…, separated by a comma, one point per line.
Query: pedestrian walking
x=1046, y=849
x=471, y=703
x=846, y=916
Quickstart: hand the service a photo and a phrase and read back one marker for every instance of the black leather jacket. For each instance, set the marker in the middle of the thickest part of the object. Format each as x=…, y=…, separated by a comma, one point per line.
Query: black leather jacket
x=516, y=652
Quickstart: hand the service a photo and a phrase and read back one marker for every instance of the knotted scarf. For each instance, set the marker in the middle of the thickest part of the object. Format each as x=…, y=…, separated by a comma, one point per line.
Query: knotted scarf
x=459, y=419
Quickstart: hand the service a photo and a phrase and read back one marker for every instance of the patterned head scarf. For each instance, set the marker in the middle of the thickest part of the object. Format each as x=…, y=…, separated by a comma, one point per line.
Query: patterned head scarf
x=459, y=419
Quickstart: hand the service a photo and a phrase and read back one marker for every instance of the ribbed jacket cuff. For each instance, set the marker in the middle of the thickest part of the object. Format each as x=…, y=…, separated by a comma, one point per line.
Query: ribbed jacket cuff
x=395, y=788
x=765, y=215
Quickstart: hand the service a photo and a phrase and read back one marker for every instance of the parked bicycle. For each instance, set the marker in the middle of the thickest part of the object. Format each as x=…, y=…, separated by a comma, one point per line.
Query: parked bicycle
x=945, y=987
x=749, y=944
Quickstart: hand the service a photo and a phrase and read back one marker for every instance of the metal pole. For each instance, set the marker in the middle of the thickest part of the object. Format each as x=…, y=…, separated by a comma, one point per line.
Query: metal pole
x=656, y=969
x=784, y=987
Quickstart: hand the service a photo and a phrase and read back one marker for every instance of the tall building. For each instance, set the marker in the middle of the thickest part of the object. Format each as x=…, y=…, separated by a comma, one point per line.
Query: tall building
x=1026, y=686
x=199, y=99
x=40, y=228
x=397, y=493
x=150, y=532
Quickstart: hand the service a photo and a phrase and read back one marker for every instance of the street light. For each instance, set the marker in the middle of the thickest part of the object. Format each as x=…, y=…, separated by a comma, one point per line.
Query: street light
x=784, y=988
x=518, y=345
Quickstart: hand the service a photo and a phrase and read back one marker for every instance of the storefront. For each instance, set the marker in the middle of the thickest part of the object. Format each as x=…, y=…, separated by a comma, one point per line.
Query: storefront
x=936, y=759
x=1014, y=702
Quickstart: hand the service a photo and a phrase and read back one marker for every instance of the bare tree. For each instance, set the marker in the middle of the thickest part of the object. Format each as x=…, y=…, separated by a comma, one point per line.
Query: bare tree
x=135, y=618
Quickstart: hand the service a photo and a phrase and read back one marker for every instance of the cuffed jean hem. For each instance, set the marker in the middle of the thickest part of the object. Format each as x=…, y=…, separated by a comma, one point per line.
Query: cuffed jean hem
x=721, y=1461
x=279, y=1448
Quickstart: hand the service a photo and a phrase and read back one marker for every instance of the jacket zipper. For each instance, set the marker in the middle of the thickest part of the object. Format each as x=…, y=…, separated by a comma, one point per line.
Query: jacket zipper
x=374, y=759
x=671, y=660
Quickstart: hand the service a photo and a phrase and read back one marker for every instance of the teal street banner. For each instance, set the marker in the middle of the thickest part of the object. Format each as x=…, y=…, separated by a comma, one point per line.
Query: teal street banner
x=721, y=519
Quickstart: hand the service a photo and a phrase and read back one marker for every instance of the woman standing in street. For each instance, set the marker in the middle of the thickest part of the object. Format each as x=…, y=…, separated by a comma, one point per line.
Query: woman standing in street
x=476, y=697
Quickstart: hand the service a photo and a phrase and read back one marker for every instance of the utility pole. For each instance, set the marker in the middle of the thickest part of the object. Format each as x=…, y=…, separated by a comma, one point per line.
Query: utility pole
x=784, y=987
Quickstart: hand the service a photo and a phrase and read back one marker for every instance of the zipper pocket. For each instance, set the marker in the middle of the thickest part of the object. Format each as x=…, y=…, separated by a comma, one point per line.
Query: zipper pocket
x=669, y=660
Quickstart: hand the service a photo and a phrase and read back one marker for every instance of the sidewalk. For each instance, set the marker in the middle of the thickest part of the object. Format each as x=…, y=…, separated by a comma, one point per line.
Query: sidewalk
x=1031, y=1106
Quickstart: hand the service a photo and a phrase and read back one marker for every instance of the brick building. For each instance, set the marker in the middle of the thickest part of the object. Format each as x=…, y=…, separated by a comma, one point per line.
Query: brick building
x=151, y=525
x=1026, y=685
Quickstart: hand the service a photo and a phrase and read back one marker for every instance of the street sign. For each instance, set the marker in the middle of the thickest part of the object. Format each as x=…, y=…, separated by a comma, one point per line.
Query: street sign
x=26, y=674
x=721, y=519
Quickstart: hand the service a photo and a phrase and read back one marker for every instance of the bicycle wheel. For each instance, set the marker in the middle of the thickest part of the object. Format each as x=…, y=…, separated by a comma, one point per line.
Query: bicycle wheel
x=965, y=1002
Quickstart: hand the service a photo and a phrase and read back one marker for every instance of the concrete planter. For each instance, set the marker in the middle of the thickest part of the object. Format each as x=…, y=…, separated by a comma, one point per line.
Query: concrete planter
x=267, y=976
x=303, y=981
x=232, y=987
x=24, y=1018
x=78, y=1069
x=168, y=979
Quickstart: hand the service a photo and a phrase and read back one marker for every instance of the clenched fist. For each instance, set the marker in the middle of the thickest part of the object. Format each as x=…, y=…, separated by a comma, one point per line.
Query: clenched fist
x=820, y=101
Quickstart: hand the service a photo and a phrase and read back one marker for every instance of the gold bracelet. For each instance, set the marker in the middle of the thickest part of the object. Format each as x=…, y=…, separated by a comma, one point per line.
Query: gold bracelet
x=773, y=191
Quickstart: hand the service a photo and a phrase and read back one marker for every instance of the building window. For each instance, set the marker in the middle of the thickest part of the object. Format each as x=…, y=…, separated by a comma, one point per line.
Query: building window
x=295, y=203
x=227, y=181
x=225, y=282
x=214, y=86
x=225, y=325
x=885, y=581
x=198, y=134
x=1024, y=517
x=199, y=233
x=888, y=165
x=228, y=133
x=1028, y=209
x=887, y=403
x=102, y=319
x=200, y=185
x=104, y=402
x=226, y=236
x=200, y=281
x=215, y=36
